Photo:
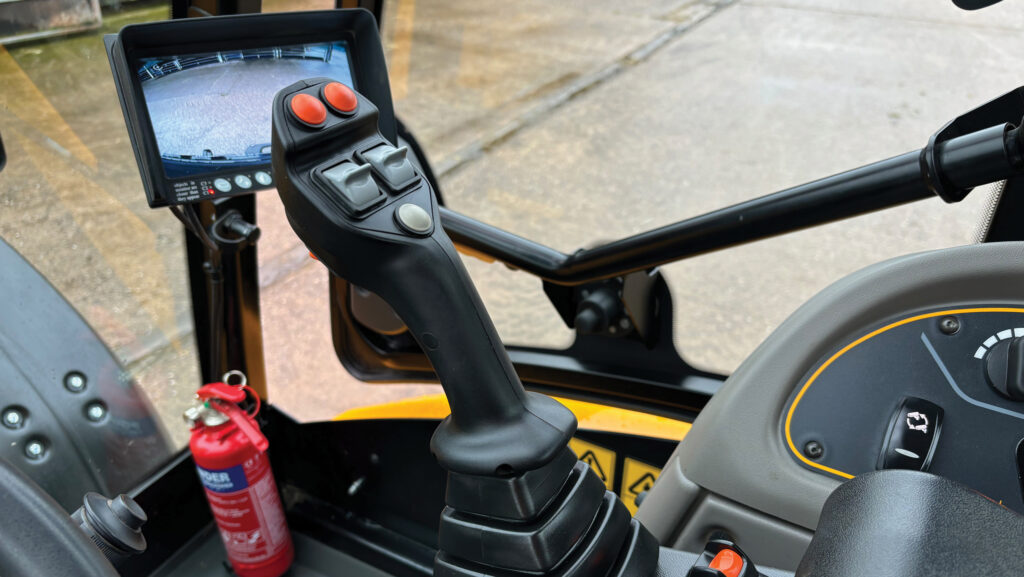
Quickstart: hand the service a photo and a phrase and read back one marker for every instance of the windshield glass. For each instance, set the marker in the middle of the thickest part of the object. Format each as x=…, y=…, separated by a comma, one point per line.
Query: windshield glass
x=586, y=122
x=103, y=397
x=582, y=122
x=569, y=123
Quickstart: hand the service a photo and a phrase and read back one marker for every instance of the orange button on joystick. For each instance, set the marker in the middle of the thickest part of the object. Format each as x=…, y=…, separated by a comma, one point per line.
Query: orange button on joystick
x=340, y=97
x=308, y=109
x=728, y=562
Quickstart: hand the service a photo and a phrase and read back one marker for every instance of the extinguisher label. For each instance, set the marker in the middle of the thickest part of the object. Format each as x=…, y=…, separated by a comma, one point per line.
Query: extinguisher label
x=223, y=480
x=244, y=501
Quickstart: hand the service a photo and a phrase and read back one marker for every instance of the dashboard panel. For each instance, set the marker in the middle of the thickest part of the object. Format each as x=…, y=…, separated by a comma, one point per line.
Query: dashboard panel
x=737, y=458
x=918, y=392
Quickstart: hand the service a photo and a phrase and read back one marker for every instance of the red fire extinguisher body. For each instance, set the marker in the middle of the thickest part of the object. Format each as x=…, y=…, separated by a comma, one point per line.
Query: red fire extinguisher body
x=240, y=488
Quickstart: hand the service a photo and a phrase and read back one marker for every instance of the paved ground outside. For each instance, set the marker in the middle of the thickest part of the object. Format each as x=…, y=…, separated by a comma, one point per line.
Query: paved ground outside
x=570, y=123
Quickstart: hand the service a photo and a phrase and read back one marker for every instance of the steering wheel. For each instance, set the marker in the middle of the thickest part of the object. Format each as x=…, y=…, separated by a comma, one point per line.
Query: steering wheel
x=38, y=538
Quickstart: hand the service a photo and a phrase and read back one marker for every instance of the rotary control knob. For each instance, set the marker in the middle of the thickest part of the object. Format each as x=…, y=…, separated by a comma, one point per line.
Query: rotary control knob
x=1004, y=368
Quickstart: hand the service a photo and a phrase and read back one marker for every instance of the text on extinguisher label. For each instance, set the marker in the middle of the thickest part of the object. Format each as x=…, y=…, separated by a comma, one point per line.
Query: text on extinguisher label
x=223, y=480
x=248, y=512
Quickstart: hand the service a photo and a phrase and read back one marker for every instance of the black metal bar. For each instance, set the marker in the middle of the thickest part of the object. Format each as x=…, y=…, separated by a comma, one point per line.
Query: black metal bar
x=971, y=160
x=237, y=324
x=881, y=185
x=502, y=245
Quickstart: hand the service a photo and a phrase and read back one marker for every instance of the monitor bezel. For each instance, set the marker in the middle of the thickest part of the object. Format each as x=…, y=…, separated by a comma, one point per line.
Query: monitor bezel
x=357, y=28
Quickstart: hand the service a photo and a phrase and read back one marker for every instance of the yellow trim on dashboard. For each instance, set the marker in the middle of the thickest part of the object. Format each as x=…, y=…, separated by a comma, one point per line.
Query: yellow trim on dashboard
x=591, y=416
x=843, y=351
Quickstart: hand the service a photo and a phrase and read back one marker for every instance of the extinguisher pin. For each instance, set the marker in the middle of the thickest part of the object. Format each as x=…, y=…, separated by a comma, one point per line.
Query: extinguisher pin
x=241, y=381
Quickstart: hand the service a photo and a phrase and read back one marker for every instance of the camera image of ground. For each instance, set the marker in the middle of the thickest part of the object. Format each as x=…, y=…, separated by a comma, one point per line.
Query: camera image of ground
x=224, y=107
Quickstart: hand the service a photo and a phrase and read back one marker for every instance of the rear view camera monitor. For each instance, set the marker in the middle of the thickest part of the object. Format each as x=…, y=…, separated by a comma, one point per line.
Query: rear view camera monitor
x=210, y=112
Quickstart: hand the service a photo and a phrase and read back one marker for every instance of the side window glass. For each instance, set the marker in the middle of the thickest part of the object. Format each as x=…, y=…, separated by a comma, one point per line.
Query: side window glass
x=589, y=125
x=97, y=359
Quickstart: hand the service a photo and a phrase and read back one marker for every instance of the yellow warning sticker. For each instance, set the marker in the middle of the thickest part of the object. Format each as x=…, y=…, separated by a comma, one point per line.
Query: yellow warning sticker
x=601, y=460
x=637, y=477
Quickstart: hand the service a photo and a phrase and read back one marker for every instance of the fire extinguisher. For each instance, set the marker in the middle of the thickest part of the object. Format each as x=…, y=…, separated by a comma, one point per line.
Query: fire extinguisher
x=231, y=456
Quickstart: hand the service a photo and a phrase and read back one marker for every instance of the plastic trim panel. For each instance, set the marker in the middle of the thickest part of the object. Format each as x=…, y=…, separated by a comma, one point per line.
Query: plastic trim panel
x=735, y=449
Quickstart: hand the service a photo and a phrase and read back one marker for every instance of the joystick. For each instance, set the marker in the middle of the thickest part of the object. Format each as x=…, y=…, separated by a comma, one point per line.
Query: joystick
x=518, y=500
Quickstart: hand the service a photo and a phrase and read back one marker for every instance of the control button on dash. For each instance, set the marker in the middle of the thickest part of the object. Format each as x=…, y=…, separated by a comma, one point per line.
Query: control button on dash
x=243, y=181
x=222, y=185
x=912, y=437
x=263, y=178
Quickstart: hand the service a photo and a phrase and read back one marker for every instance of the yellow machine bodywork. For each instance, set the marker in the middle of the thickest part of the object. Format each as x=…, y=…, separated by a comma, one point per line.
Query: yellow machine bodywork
x=591, y=416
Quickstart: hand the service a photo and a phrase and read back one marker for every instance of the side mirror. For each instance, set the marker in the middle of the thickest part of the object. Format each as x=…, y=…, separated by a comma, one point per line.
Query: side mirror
x=974, y=4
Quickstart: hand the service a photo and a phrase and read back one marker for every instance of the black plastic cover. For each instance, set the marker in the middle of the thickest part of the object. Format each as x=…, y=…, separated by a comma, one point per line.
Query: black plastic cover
x=537, y=546
x=43, y=344
x=899, y=523
x=517, y=498
x=38, y=538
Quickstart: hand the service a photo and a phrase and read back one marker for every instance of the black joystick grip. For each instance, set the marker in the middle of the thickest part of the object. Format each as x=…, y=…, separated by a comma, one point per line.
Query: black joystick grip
x=518, y=501
x=361, y=207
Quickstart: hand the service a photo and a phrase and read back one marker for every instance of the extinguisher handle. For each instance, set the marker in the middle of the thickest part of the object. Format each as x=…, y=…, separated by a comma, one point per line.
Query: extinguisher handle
x=226, y=398
x=245, y=424
x=222, y=391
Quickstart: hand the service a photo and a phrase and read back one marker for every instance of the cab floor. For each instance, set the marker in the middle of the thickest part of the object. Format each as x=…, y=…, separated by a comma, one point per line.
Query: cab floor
x=204, y=557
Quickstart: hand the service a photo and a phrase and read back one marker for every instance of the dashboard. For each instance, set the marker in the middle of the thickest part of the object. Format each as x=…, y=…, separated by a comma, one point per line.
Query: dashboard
x=926, y=392
x=923, y=353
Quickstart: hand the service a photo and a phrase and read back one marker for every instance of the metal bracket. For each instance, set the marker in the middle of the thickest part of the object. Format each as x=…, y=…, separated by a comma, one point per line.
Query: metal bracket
x=618, y=307
x=1007, y=108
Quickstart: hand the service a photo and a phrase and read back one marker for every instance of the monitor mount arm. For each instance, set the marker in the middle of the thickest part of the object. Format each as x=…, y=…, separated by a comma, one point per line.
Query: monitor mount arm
x=517, y=498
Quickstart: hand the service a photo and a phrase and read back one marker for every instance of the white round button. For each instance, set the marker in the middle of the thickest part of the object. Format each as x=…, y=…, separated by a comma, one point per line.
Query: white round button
x=243, y=181
x=222, y=185
x=263, y=178
x=414, y=219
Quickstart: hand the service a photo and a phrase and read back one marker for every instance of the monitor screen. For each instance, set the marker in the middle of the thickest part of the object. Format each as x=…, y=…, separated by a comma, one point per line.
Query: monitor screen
x=210, y=112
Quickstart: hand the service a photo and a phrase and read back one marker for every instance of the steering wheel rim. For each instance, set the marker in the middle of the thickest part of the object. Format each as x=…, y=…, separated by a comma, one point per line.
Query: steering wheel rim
x=38, y=538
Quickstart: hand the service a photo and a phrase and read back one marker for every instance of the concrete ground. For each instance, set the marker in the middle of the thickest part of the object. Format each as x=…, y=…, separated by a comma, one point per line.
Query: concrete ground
x=227, y=112
x=570, y=123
